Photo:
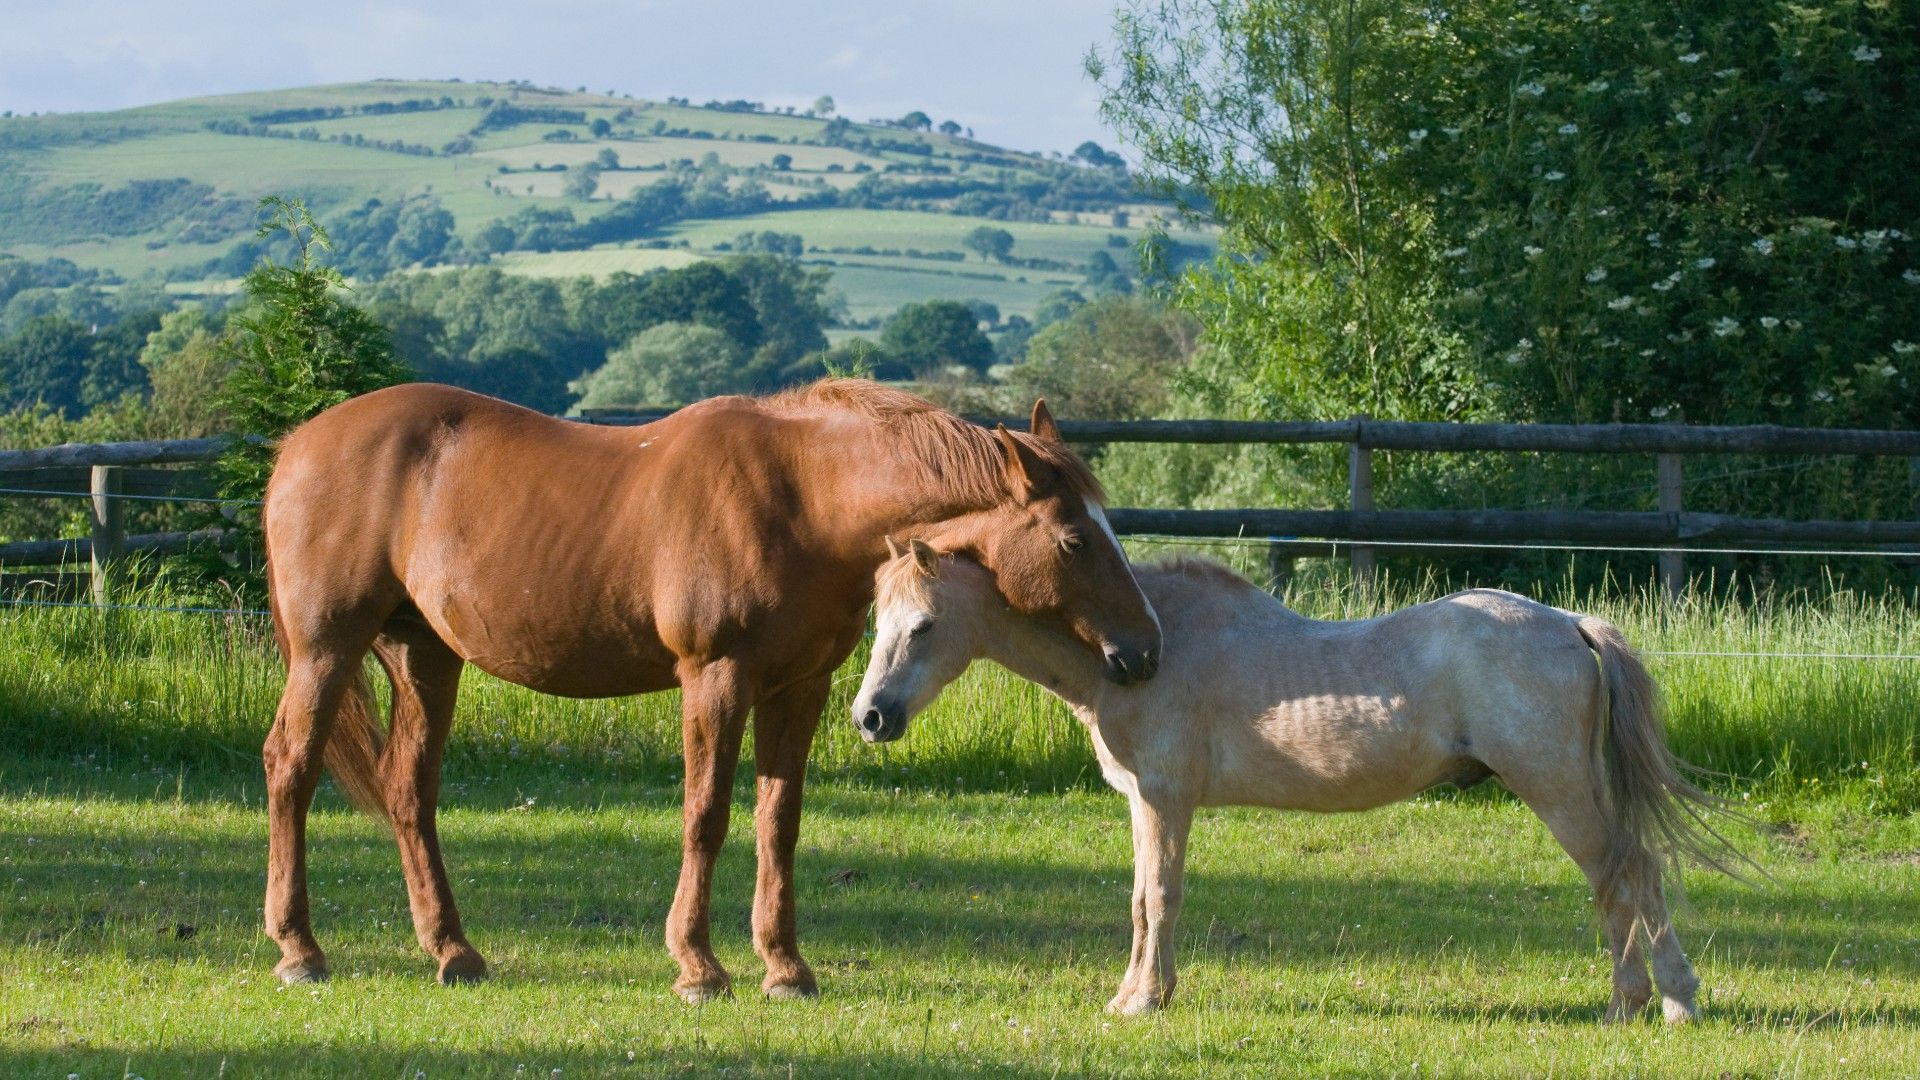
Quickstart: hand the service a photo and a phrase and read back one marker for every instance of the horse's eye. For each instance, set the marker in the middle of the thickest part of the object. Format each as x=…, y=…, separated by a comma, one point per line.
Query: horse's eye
x=1071, y=543
x=920, y=628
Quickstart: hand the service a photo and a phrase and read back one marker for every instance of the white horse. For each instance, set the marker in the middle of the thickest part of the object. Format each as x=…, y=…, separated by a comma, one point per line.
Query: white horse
x=1257, y=705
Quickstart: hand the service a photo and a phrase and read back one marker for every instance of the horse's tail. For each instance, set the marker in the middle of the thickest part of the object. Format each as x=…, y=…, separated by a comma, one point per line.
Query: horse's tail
x=1658, y=815
x=352, y=750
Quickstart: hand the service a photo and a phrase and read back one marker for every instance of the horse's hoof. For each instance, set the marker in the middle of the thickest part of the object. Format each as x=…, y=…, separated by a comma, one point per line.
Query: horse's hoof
x=1677, y=1011
x=301, y=972
x=462, y=969
x=699, y=993
x=1133, y=1005
x=792, y=990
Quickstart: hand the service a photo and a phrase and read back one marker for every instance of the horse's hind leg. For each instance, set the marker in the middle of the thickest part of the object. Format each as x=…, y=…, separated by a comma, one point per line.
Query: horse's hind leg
x=426, y=678
x=1568, y=808
x=318, y=681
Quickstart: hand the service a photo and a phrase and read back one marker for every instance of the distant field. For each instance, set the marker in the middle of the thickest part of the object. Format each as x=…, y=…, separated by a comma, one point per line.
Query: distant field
x=168, y=141
x=594, y=262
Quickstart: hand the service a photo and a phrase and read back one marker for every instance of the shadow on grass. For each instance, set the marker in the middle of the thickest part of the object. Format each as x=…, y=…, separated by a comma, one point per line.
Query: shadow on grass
x=163, y=887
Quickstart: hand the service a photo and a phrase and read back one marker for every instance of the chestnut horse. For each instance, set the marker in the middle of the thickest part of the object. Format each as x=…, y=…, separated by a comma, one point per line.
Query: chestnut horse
x=728, y=549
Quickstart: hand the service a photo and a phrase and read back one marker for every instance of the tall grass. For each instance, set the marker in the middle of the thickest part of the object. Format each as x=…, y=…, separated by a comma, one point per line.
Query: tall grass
x=160, y=690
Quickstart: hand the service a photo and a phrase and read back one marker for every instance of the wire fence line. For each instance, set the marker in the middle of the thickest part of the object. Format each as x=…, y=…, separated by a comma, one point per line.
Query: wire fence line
x=1268, y=541
x=41, y=493
x=1679, y=654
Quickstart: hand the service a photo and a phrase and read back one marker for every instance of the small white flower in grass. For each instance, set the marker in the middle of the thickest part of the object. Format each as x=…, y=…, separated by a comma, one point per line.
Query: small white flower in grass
x=1683, y=118
x=1814, y=96
x=1597, y=86
x=1763, y=245
x=1793, y=324
x=1845, y=243
x=1452, y=132
x=1620, y=303
x=1556, y=176
x=1823, y=394
x=1911, y=277
x=1416, y=135
x=1889, y=370
x=1904, y=347
x=1725, y=325
x=1703, y=263
x=1596, y=275
x=1689, y=58
x=1663, y=285
x=1658, y=411
x=1653, y=239
x=1453, y=253
x=1532, y=251
x=1726, y=73
x=1866, y=54
x=1532, y=89
x=1569, y=129
x=1872, y=239
x=1769, y=321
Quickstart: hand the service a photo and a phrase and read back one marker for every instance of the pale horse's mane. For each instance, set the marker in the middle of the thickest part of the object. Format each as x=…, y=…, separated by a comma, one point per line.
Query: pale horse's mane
x=966, y=458
x=1180, y=577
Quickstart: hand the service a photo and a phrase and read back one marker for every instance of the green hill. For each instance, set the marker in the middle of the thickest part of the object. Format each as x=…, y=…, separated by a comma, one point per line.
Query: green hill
x=414, y=174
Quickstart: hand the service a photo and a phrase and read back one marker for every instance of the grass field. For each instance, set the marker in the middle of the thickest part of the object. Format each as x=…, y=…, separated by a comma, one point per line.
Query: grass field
x=963, y=892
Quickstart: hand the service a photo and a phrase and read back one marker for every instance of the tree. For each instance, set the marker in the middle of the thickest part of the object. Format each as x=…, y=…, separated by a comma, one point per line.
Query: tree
x=600, y=127
x=915, y=121
x=949, y=128
x=989, y=242
x=937, y=334
x=582, y=182
x=782, y=162
x=669, y=364
x=1096, y=155
x=297, y=348
x=1113, y=359
x=607, y=158
x=823, y=105
x=1270, y=113
x=187, y=366
x=45, y=363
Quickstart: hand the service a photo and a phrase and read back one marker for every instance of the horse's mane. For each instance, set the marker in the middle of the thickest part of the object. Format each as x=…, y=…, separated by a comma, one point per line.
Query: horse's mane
x=965, y=457
x=901, y=576
x=1188, y=566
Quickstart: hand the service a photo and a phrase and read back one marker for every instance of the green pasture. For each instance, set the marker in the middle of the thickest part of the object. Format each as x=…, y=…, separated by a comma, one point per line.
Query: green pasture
x=876, y=287
x=963, y=893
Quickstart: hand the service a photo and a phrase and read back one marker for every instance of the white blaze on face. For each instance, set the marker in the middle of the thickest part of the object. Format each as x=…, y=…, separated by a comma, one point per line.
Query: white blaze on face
x=1099, y=516
x=889, y=668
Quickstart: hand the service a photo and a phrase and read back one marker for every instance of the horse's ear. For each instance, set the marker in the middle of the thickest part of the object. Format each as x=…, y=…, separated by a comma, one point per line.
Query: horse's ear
x=1023, y=466
x=893, y=549
x=1042, y=425
x=924, y=556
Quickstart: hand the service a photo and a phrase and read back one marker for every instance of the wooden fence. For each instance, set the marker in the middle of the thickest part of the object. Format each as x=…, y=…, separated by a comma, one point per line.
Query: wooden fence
x=107, y=472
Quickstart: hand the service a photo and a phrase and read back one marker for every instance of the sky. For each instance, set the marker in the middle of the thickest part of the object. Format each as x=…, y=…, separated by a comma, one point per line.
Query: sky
x=1009, y=69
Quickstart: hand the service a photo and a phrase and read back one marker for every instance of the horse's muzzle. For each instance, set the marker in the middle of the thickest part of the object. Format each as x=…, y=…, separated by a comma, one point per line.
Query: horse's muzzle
x=1128, y=669
x=877, y=725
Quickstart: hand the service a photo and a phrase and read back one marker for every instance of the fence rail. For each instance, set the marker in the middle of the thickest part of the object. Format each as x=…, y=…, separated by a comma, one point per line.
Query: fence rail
x=107, y=473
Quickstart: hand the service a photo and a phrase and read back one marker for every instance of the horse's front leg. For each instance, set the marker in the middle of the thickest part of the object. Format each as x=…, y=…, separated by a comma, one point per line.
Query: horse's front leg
x=1161, y=822
x=713, y=711
x=783, y=727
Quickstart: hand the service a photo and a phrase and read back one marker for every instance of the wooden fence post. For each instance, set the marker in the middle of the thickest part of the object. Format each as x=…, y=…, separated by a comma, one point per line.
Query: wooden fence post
x=1360, y=497
x=1279, y=567
x=109, y=520
x=1673, y=562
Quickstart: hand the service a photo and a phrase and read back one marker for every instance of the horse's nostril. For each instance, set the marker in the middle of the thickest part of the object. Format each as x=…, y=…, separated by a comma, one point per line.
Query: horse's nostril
x=871, y=722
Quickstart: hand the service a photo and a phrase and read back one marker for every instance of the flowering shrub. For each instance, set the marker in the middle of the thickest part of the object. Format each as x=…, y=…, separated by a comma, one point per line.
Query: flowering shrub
x=1653, y=210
